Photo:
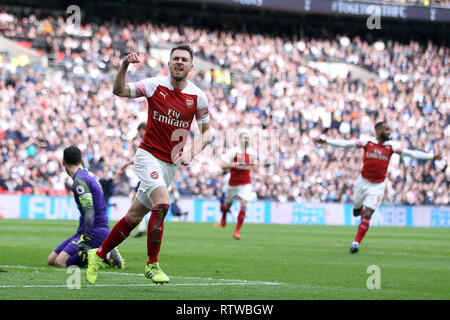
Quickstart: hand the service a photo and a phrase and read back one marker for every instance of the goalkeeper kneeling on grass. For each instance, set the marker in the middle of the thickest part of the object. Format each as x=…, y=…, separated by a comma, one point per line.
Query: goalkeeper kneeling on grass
x=93, y=227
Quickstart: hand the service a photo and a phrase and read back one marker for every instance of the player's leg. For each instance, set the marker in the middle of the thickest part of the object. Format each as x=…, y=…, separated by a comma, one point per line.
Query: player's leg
x=245, y=194
x=122, y=229
x=362, y=229
x=224, y=209
x=359, y=194
x=357, y=211
x=61, y=259
x=159, y=198
x=64, y=259
x=240, y=219
x=230, y=195
x=113, y=258
x=372, y=200
x=142, y=225
x=118, y=234
x=160, y=201
x=51, y=259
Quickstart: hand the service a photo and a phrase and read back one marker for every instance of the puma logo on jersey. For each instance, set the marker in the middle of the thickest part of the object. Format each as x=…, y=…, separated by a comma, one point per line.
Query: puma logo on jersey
x=164, y=95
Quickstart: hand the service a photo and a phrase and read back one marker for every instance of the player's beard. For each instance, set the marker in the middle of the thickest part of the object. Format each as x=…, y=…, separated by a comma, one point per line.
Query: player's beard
x=179, y=77
x=385, y=136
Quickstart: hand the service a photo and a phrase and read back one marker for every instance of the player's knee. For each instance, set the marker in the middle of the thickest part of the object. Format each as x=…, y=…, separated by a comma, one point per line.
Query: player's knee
x=367, y=213
x=61, y=262
x=51, y=258
x=161, y=208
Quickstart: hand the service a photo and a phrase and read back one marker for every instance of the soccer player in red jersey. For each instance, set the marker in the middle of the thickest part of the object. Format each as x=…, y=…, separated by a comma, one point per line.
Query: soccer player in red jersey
x=240, y=161
x=371, y=183
x=173, y=102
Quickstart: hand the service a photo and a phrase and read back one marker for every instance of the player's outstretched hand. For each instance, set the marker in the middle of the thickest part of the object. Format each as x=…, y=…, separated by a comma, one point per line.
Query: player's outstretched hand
x=183, y=159
x=319, y=140
x=186, y=158
x=437, y=157
x=132, y=58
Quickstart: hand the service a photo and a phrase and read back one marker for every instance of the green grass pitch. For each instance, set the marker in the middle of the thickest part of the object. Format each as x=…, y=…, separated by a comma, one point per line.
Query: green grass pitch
x=271, y=262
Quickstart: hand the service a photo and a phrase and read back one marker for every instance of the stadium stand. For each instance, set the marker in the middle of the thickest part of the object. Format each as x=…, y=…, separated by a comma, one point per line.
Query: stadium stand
x=257, y=79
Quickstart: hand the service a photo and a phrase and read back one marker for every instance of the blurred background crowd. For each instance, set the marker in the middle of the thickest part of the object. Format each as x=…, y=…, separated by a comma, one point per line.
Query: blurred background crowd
x=262, y=81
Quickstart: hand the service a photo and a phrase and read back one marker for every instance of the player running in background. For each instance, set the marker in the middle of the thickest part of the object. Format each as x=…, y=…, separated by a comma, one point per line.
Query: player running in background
x=371, y=183
x=93, y=227
x=173, y=102
x=240, y=161
x=226, y=178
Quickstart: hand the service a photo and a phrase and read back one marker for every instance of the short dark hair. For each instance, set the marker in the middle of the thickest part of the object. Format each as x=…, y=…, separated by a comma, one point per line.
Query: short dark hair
x=72, y=155
x=184, y=47
x=141, y=126
x=379, y=124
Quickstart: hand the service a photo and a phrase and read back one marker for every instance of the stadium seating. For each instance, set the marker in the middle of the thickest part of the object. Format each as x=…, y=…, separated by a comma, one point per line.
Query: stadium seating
x=271, y=85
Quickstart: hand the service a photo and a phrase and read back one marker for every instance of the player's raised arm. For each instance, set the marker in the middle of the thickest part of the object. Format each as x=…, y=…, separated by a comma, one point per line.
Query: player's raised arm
x=340, y=143
x=416, y=154
x=120, y=88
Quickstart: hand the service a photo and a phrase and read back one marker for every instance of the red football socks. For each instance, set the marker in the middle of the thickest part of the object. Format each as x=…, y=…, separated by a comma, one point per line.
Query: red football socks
x=155, y=231
x=119, y=233
x=362, y=229
x=240, y=220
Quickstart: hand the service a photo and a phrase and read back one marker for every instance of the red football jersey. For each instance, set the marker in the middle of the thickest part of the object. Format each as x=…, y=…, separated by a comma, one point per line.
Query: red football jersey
x=376, y=159
x=242, y=175
x=170, y=114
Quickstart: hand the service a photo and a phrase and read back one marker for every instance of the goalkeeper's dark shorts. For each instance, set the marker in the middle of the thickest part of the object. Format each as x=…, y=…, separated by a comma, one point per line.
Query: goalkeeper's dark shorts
x=70, y=245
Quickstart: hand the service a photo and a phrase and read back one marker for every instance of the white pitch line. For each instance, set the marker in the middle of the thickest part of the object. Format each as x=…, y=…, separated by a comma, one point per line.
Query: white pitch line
x=135, y=285
x=232, y=281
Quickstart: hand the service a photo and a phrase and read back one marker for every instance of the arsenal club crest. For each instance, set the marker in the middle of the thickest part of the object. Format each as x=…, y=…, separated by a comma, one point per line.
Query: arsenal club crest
x=154, y=175
x=189, y=102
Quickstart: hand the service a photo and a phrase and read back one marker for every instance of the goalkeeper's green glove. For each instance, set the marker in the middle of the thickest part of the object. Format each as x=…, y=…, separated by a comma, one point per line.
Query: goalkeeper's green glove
x=84, y=244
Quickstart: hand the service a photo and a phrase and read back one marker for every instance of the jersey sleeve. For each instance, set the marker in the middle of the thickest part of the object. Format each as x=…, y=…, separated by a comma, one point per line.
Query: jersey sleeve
x=144, y=88
x=202, y=113
x=85, y=197
x=344, y=143
x=396, y=147
x=417, y=154
x=361, y=142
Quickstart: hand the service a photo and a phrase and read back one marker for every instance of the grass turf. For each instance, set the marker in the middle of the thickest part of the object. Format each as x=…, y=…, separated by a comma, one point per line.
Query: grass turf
x=271, y=262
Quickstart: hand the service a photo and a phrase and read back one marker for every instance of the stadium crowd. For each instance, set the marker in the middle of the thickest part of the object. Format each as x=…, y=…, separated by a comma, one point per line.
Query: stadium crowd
x=263, y=82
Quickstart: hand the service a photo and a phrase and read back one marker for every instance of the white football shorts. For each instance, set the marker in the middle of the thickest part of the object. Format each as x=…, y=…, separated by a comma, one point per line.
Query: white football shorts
x=244, y=192
x=152, y=173
x=368, y=194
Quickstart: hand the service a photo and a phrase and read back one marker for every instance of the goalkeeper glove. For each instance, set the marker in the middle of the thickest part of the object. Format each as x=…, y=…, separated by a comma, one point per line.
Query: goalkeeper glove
x=84, y=244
